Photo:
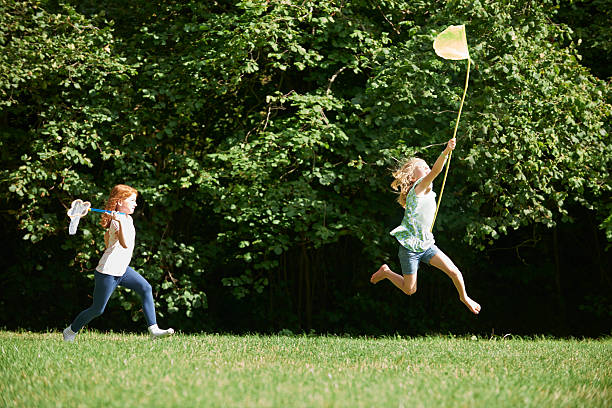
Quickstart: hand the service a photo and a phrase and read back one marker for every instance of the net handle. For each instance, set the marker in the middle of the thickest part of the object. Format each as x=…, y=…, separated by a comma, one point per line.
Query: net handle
x=450, y=154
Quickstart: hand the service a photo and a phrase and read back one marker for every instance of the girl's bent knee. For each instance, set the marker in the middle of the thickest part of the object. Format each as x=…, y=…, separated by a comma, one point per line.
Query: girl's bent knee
x=95, y=312
x=410, y=291
x=144, y=288
x=147, y=287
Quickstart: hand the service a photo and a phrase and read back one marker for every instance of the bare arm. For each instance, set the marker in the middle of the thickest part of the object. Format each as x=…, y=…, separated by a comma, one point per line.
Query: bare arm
x=120, y=235
x=436, y=169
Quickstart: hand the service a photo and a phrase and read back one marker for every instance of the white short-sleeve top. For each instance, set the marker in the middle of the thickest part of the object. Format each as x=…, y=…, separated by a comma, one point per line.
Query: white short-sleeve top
x=116, y=258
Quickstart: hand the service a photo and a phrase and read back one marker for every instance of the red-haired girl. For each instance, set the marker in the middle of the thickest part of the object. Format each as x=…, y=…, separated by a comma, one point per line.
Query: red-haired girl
x=113, y=268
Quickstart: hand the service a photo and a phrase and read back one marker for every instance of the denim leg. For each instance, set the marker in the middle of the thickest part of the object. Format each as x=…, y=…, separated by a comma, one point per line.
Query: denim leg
x=429, y=253
x=409, y=261
x=104, y=287
x=133, y=280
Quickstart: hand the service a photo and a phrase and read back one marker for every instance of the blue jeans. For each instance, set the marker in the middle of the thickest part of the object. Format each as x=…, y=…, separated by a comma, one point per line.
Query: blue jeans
x=410, y=260
x=105, y=286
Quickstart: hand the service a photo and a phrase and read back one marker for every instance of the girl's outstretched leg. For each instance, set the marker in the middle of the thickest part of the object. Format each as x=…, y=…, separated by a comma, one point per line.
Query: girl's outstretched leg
x=104, y=287
x=133, y=280
x=444, y=263
x=405, y=283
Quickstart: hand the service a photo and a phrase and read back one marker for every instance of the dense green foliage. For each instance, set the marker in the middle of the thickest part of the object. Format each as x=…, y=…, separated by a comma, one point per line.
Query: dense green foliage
x=260, y=135
x=590, y=22
x=121, y=370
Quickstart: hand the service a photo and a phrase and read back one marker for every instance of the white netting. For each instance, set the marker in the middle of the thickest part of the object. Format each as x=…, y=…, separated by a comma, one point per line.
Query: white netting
x=78, y=209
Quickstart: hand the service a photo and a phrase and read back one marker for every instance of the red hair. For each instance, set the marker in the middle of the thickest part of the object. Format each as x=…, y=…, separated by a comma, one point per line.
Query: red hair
x=118, y=193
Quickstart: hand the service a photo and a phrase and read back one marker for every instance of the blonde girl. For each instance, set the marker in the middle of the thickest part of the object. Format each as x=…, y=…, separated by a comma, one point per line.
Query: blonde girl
x=414, y=180
x=113, y=268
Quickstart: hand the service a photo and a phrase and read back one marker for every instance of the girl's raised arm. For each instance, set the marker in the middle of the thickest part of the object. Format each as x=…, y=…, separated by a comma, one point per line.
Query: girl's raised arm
x=436, y=169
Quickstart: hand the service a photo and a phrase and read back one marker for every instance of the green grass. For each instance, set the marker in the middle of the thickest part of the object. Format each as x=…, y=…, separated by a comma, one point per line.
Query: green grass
x=126, y=370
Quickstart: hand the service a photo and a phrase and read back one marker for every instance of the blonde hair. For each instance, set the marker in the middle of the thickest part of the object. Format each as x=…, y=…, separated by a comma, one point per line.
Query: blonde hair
x=404, y=179
x=118, y=193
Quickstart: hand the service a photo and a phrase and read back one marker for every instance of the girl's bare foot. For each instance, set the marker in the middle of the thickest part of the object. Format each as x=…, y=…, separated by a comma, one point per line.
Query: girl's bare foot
x=380, y=274
x=473, y=306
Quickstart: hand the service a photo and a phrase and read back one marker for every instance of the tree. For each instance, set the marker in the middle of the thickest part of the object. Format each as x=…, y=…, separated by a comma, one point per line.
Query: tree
x=261, y=134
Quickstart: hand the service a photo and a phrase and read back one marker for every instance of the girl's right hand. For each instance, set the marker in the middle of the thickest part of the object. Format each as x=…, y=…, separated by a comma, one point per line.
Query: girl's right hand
x=451, y=144
x=116, y=216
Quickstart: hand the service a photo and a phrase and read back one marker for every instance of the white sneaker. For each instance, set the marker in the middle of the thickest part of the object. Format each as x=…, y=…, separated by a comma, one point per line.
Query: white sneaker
x=69, y=335
x=156, y=332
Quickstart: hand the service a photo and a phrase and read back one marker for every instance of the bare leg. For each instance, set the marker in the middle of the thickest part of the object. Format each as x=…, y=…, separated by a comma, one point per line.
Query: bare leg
x=405, y=283
x=443, y=262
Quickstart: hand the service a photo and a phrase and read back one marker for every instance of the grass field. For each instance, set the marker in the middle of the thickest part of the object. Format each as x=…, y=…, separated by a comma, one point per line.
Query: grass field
x=126, y=370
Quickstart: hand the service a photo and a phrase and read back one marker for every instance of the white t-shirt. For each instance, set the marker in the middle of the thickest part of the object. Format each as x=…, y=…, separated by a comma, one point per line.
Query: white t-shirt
x=116, y=258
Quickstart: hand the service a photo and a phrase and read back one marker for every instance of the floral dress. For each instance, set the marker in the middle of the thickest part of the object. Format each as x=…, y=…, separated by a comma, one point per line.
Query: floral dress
x=414, y=232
